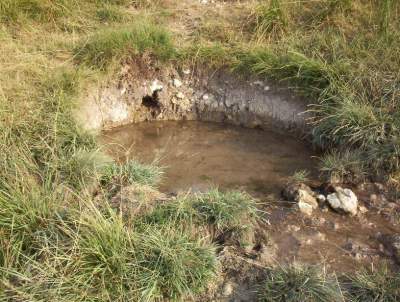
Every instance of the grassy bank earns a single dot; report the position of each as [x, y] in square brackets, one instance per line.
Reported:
[62, 239]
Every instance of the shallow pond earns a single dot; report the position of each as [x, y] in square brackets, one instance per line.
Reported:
[198, 155]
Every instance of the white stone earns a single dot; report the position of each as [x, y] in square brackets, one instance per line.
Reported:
[293, 228]
[343, 200]
[321, 198]
[227, 289]
[305, 208]
[267, 88]
[186, 71]
[180, 95]
[306, 197]
[177, 83]
[156, 86]
[258, 83]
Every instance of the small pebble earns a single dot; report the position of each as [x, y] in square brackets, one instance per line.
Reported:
[228, 289]
[177, 83]
[363, 209]
[321, 198]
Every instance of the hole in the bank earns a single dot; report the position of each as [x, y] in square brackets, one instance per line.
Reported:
[151, 101]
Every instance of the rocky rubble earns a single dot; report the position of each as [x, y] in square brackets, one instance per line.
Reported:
[341, 200]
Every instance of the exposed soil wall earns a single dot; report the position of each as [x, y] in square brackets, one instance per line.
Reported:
[142, 92]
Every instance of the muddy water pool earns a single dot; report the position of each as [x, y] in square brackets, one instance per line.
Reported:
[198, 156]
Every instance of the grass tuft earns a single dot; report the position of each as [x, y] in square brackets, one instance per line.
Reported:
[109, 14]
[116, 44]
[379, 285]
[270, 18]
[172, 264]
[39, 10]
[222, 212]
[131, 172]
[299, 283]
[150, 265]
[300, 177]
[346, 166]
[225, 210]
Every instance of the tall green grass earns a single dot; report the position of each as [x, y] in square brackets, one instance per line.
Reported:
[379, 284]
[115, 44]
[295, 283]
[269, 18]
[344, 166]
[153, 264]
[39, 10]
[217, 213]
[129, 173]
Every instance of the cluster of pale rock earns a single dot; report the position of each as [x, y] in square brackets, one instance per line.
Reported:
[342, 200]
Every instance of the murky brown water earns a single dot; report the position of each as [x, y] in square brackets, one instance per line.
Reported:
[197, 155]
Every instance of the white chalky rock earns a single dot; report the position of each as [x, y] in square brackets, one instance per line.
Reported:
[177, 83]
[343, 200]
[305, 208]
[321, 198]
[156, 86]
[180, 95]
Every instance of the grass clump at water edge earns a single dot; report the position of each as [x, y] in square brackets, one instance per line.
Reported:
[379, 284]
[221, 213]
[296, 283]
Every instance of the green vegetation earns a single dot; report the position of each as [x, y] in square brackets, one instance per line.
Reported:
[300, 177]
[149, 265]
[296, 283]
[380, 285]
[131, 172]
[231, 211]
[119, 43]
[269, 18]
[59, 238]
[344, 166]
